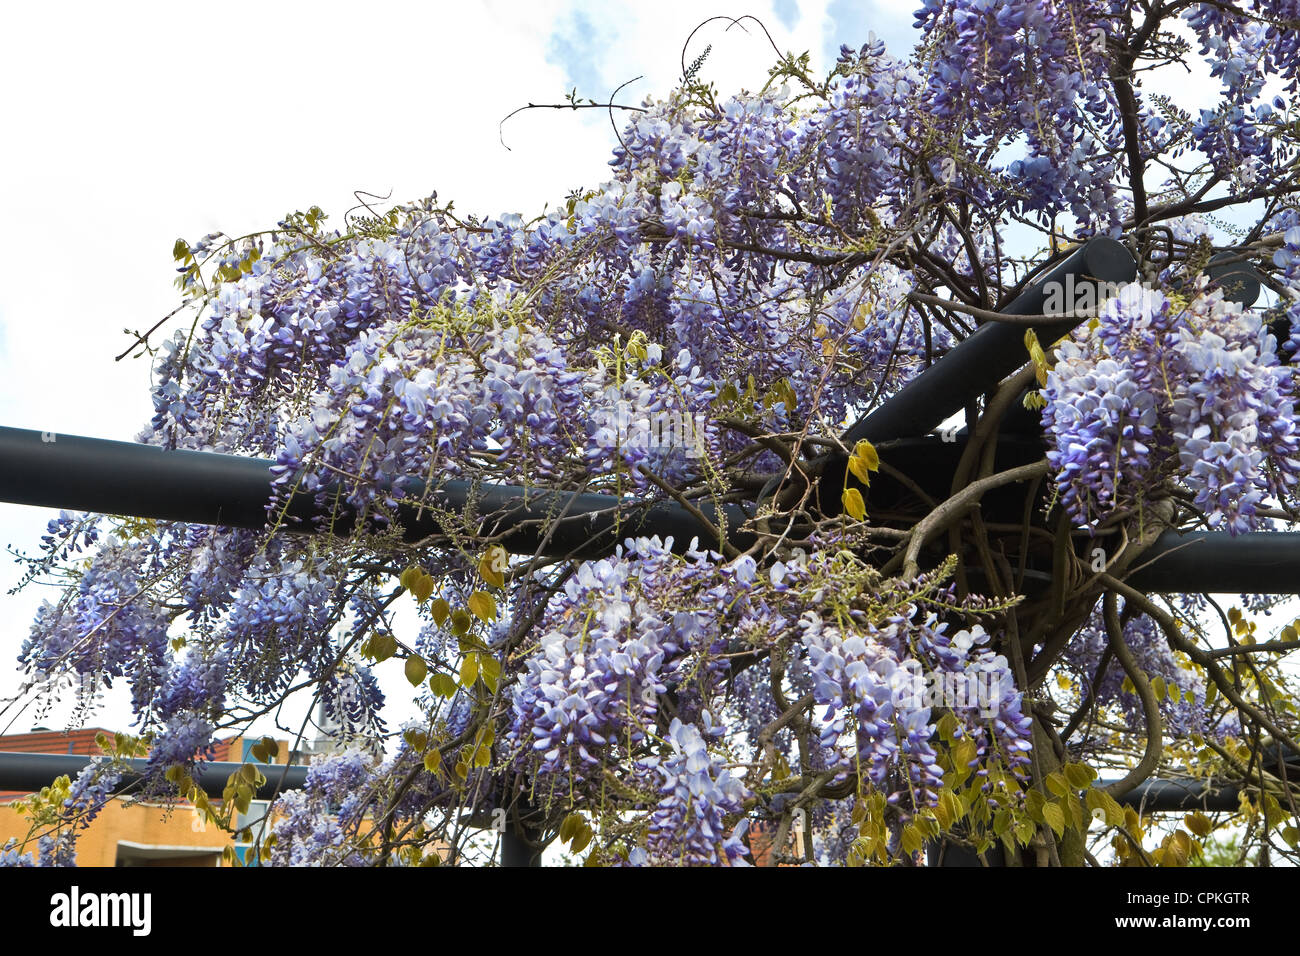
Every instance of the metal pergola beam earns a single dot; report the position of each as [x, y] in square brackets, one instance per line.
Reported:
[122, 478]
[90, 474]
[994, 350]
[28, 773]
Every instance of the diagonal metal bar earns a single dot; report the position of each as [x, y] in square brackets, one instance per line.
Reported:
[995, 350]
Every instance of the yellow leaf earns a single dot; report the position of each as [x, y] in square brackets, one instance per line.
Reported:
[853, 504]
[912, 840]
[441, 611]
[866, 452]
[1054, 817]
[442, 685]
[469, 670]
[859, 470]
[1036, 353]
[492, 566]
[416, 670]
[422, 587]
[483, 605]
[489, 670]
[1079, 775]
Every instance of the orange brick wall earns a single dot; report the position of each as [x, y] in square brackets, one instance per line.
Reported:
[148, 824]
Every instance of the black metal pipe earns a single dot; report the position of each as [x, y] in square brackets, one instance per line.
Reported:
[110, 477]
[1178, 796]
[516, 850]
[1258, 562]
[90, 474]
[995, 350]
[28, 773]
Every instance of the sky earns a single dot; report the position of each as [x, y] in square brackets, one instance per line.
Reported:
[127, 126]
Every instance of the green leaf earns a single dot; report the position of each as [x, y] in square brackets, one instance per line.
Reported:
[1199, 824]
[853, 504]
[1034, 801]
[1110, 810]
[416, 669]
[181, 250]
[1078, 815]
[581, 838]
[433, 761]
[570, 825]
[1001, 822]
[381, 646]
